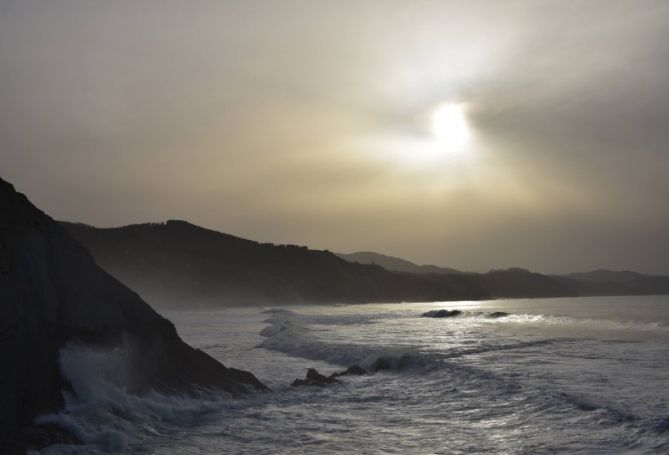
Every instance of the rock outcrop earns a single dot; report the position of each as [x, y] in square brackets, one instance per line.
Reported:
[442, 314]
[353, 370]
[19, 442]
[456, 313]
[52, 293]
[314, 378]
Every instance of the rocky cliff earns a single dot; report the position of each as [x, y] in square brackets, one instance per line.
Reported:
[53, 294]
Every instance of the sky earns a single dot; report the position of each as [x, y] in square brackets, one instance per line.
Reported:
[310, 122]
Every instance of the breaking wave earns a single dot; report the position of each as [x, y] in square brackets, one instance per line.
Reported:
[106, 418]
[466, 384]
[291, 333]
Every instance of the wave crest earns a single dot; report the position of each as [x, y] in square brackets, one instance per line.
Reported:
[100, 412]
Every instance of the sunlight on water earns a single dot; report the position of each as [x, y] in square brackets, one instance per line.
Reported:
[552, 376]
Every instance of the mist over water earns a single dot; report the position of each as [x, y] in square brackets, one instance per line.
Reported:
[584, 375]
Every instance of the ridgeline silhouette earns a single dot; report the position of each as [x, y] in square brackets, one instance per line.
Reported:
[179, 265]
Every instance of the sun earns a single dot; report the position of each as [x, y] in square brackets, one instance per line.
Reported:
[449, 126]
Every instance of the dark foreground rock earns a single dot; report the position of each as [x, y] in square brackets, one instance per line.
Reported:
[52, 293]
[34, 438]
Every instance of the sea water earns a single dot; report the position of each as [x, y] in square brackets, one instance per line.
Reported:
[576, 375]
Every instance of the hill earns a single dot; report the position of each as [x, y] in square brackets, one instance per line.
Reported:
[393, 263]
[607, 276]
[618, 282]
[180, 265]
[177, 263]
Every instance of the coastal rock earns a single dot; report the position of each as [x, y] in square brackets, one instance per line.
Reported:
[53, 294]
[442, 314]
[382, 363]
[456, 313]
[36, 437]
[353, 370]
[314, 378]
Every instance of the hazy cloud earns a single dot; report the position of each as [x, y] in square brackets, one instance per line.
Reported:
[306, 122]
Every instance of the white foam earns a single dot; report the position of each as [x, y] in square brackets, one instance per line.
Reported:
[104, 416]
[289, 333]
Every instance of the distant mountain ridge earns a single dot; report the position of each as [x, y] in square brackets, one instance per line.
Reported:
[178, 264]
[392, 263]
[608, 276]
[603, 276]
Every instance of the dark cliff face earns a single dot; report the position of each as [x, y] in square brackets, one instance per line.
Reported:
[52, 293]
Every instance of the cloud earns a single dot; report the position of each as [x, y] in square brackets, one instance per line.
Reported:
[301, 122]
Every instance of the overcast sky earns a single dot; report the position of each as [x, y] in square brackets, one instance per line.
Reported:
[308, 122]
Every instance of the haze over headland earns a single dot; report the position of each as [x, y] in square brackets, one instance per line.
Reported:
[308, 122]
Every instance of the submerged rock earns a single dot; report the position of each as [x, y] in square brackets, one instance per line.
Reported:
[353, 370]
[456, 313]
[442, 314]
[382, 363]
[314, 378]
[52, 294]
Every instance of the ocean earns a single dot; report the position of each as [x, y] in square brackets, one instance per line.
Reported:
[564, 375]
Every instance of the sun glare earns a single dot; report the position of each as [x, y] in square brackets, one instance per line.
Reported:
[449, 126]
